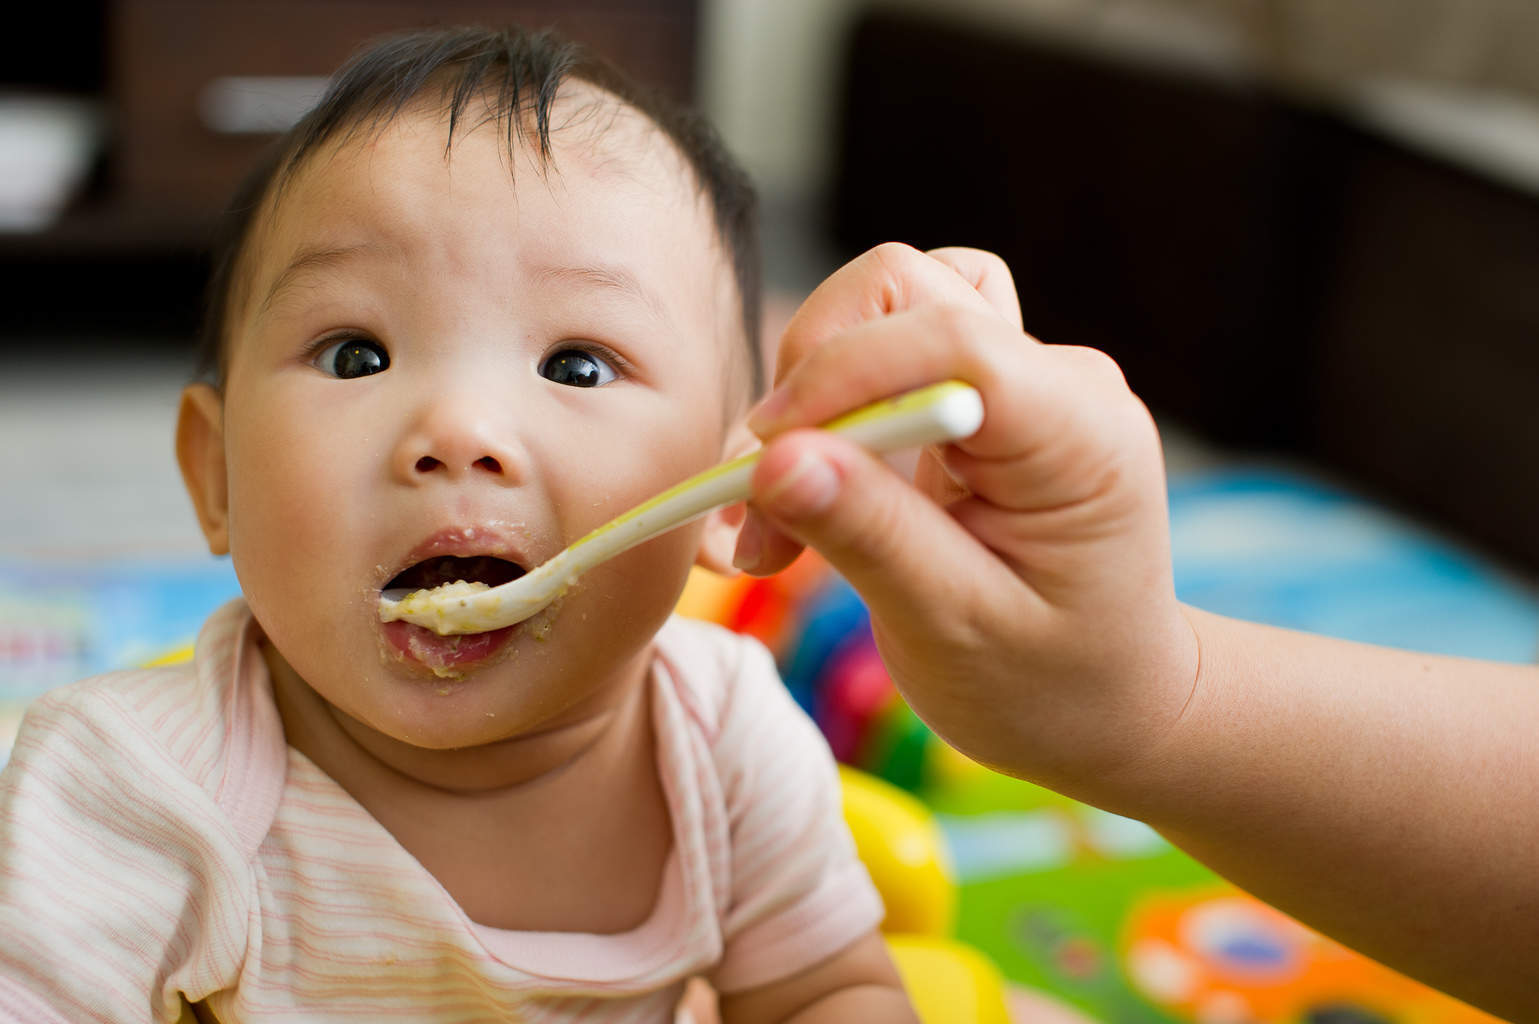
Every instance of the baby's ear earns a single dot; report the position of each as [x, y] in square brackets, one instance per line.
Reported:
[200, 453]
[718, 541]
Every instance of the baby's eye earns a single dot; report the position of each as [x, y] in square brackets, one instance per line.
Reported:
[577, 369]
[353, 357]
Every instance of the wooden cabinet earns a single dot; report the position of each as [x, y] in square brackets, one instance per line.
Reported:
[128, 257]
[1271, 274]
[171, 58]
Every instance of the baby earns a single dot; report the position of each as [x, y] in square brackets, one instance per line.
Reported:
[482, 299]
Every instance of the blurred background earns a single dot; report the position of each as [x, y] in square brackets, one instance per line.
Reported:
[1307, 229]
[1302, 226]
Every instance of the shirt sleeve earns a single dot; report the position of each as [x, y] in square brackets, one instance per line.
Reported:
[799, 893]
[120, 890]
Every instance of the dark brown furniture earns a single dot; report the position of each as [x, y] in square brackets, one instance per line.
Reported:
[1271, 274]
[129, 255]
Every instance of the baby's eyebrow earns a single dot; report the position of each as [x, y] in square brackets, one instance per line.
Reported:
[612, 278]
[307, 260]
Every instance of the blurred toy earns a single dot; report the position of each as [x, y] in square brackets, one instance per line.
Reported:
[1222, 956]
[820, 633]
[902, 847]
[950, 981]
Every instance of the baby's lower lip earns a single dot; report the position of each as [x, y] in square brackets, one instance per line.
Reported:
[445, 655]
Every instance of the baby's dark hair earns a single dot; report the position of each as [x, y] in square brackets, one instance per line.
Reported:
[521, 73]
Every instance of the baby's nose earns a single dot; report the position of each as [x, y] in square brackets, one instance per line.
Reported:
[452, 439]
[430, 463]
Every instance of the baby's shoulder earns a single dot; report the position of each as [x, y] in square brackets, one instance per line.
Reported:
[159, 750]
[709, 647]
[112, 764]
[713, 669]
[729, 686]
[763, 752]
[202, 720]
[140, 715]
[131, 694]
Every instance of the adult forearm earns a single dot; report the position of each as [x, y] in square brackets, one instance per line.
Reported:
[1387, 798]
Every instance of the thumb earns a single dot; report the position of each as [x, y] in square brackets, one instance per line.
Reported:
[908, 558]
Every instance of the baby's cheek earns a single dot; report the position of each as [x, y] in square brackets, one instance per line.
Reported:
[656, 575]
[290, 548]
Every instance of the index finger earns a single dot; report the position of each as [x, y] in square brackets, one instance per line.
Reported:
[881, 358]
[892, 278]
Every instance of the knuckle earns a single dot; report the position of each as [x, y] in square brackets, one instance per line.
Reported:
[986, 263]
[898, 266]
[992, 262]
[1099, 367]
[894, 254]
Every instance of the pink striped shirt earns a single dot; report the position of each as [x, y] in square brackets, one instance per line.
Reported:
[160, 844]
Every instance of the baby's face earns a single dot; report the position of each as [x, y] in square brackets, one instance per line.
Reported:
[443, 369]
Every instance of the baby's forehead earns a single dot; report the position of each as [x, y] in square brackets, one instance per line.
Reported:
[603, 155]
[591, 136]
[601, 133]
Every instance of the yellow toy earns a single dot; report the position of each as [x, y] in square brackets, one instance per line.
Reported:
[949, 982]
[902, 847]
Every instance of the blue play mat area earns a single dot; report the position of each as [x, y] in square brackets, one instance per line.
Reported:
[1278, 548]
[1095, 908]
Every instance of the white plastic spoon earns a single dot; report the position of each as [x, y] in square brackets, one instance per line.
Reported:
[947, 411]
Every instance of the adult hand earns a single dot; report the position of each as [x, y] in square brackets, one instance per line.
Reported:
[1019, 584]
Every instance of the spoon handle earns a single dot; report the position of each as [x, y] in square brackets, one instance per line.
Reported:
[947, 411]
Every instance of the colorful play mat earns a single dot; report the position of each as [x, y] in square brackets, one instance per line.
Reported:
[1093, 907]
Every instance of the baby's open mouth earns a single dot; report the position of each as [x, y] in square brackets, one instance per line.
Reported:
[449, 656]
[434, 572]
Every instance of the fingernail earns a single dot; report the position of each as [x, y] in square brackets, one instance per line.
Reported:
[750, 544]
[806, 489]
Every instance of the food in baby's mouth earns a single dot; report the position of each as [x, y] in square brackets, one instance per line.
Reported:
[448, 656]
[439, 582]
[430, 599]
[423, 600]
[459, 588]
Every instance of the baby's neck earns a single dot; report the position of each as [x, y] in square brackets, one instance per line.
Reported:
[566, 829]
